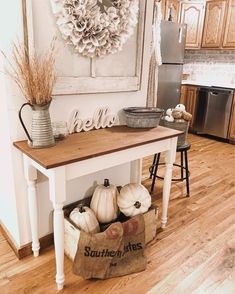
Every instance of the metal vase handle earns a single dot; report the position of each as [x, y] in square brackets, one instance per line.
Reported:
[21, 120]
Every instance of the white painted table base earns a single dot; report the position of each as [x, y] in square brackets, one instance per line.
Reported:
[57, 186]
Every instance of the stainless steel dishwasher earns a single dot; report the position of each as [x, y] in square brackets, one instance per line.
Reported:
[213, 111]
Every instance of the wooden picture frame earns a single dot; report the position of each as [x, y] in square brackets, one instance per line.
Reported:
[72, 85]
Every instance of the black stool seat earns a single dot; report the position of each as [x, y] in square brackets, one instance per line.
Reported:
[183, 167]
[184, 147]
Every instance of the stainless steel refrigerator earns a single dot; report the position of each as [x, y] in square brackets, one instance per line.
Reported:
[173, 36]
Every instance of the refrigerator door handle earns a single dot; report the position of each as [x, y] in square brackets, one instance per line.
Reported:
[180, 35]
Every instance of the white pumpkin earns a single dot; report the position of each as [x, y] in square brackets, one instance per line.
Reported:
[104, 202]
[85, 219]
[169, 112]
[169, 118]
[180, 107]
[134, 199]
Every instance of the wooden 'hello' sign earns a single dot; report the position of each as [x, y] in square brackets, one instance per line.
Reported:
[102, 118]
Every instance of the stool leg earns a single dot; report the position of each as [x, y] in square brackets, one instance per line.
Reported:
[182, 165]
[155, 172]
[153, 164]
[187, 173]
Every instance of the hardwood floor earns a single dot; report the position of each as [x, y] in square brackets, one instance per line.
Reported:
[194, 254]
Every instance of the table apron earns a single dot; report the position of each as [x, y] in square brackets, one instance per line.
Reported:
[95, 164]
[99, 163]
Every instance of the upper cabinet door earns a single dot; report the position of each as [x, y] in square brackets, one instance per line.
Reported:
[172, 9]
[191, 13]
[229, 32]
[213, 25]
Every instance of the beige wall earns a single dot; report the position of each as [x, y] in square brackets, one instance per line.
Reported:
[60, 110]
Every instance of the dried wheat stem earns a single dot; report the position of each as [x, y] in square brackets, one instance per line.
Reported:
[34, 74]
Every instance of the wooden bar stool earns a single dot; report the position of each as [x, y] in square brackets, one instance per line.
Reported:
[183, 167]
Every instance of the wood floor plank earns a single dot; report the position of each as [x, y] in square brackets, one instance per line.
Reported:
[189, 271]
[195, 254]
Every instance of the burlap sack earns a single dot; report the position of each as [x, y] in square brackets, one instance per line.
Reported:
[115, 252]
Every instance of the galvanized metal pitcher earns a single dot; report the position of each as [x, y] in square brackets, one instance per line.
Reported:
[41, 129]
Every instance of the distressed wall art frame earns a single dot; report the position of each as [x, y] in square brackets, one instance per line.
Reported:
[72, 85]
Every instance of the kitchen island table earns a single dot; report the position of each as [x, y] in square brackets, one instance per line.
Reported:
[85, 153]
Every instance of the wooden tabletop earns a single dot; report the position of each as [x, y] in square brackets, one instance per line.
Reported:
[84, 145]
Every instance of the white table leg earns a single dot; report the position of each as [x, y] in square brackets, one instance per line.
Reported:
[31, 177]
[169, 160]
[59, 244]
[136, 171]
[58, 196]
[33, 214]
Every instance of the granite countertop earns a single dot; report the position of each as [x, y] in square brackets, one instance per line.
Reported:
[207, 83]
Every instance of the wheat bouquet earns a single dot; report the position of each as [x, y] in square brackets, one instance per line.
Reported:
[33, 73]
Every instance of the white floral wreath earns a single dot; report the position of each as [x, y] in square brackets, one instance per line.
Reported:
[96, 27]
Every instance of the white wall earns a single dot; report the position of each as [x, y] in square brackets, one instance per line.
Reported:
[18, 221]
[8, 212]
[10, 29]
[214, 66]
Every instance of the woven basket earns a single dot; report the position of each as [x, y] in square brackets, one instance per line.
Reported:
[180, 125]
[72, 232]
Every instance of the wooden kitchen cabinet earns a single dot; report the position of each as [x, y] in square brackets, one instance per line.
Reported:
[212, 27]
[213, 24]
[188, 97]
[173, 6]
[210, 23]
[231, 132]
[192, 14]
[229, 31]
[183, 94]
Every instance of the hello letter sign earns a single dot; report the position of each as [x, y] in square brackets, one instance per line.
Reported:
[102, 118]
